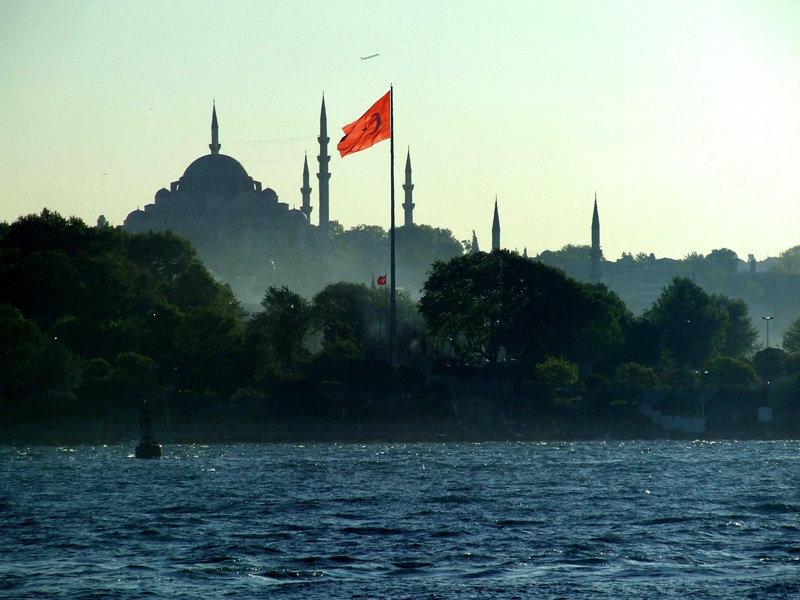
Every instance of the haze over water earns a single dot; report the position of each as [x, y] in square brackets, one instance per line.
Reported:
[497, 520]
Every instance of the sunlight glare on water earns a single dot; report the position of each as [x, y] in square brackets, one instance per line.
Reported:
[495, 520]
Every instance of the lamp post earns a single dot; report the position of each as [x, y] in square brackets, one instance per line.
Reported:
[767, 319]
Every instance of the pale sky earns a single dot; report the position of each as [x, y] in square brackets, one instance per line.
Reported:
[683, 117]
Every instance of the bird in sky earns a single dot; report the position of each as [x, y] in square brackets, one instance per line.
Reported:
[370, 56]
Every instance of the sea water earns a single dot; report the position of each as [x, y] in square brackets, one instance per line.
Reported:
[579, 520]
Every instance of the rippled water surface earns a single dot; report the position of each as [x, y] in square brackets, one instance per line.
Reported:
[557, 520]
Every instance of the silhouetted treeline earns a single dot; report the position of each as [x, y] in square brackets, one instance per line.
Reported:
[95, 321]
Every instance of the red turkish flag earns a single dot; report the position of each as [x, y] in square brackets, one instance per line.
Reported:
[372, 127]
[382, 280]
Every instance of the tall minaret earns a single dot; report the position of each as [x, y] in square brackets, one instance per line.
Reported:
[323, 176]
[597, 253]
[306, 192]
[496, 228]
[214, 146]
[408, 205]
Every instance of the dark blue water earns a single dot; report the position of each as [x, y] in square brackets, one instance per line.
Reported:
[559, 520]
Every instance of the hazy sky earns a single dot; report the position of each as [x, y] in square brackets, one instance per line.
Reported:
[684, 117]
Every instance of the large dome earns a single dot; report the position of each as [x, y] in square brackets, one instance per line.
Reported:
[217, 172]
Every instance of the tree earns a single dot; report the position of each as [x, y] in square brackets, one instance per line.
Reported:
[419, 246]
[633, 378]
[344, 311]
[732, 372]
[642, 342]
[690, 323]
[93, 294]
[788, 261]
[164, 254]
[567, 255]
[354, 322]
[481, 303]
[791, 337]
[557, 372]
[366, 240]
[32, 363]
[740, 334]
[283, 325]
[723, 259]
[772, 363]
[695, 263]
[637, 375]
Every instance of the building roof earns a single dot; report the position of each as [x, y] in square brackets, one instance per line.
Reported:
[217, 172]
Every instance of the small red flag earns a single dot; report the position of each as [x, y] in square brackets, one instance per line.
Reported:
[382, 280]
[372, 127]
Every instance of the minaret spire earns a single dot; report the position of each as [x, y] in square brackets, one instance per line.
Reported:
[323, 176]
[596, 253]
[214, 146]
[408, 187]
[496, 228]
[306, 192]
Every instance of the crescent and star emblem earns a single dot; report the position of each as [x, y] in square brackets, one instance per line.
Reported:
[377, 118]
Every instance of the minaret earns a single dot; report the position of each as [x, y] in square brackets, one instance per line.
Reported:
[408, 205]
[597, 253]
[474, 247]
[496, 228]
[214, 146]
[323, 176]
[306, 192]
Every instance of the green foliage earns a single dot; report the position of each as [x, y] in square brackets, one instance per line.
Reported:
[724, 260]
[772, 363]
[352, 314]
[642, 342]
[607, 320]
[133, 378]
[695, 263]
[481, 303]
[732, 372]
[637, 375]
[740, 334]
[566, 255]
[366, 240]
[283, 326]
[102, 293]
[690, 323]
[791, 337]
[788, 261]
[471, 246]
[419, 246]
[717, 267]
[32, 362]
[343, 312]
[209, 345]
[557, 372]
[164, 254]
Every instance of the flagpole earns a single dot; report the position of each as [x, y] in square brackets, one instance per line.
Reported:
[393, 306]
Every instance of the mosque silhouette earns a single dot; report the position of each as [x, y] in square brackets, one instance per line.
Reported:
[245, 235]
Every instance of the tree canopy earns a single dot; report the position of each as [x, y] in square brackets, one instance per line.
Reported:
[481, 303]
[694, 326]
[104, 292]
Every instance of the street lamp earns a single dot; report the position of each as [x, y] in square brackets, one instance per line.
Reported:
[767, 319]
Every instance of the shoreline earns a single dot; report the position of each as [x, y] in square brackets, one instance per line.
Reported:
[49, 434]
